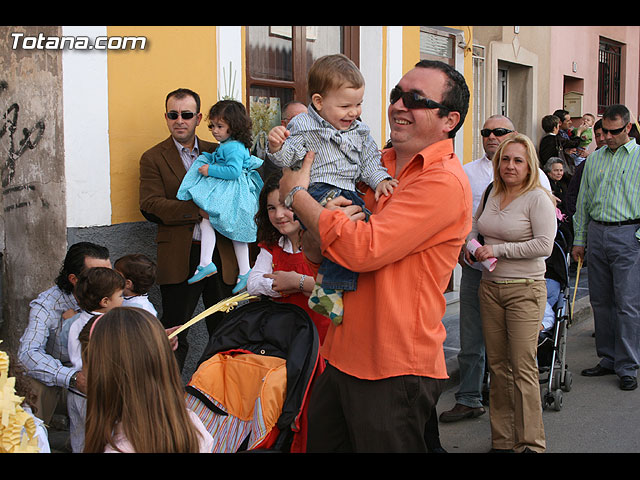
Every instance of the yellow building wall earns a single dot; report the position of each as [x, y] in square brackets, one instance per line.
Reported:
[138, 83]
[174, 57]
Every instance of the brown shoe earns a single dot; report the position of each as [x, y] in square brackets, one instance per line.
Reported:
[460, 412]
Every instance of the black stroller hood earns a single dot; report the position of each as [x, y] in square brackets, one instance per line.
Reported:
[275, 329]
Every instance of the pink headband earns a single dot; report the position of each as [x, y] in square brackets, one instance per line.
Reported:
[94, 325]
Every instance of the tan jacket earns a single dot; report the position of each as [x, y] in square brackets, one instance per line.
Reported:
[161, 172]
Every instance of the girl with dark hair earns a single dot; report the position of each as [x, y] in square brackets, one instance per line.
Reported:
[281, 271]
[139, 272]
[225, 184]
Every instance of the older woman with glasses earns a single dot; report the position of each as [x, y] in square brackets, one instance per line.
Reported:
[518, 225]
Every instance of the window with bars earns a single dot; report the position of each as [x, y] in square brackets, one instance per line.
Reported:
[609, 60]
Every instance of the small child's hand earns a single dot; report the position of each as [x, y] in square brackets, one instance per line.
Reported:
[204, 170]
[68, 314]
[277, 136]
[385, 188]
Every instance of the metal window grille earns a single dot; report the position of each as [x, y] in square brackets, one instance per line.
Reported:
[609, 59]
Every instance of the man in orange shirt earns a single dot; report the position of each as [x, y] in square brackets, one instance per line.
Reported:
[386, 363]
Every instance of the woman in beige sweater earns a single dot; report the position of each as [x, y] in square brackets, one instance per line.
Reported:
[518, 224]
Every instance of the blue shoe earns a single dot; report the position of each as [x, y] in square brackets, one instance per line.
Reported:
[242, 282]
[203, 272]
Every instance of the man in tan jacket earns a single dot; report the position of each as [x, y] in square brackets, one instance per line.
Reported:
[162, 169]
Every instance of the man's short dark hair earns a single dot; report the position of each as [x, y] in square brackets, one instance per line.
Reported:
[181, 93]
[74, 262]
[456, 96]
[560, 113]
[617, 110]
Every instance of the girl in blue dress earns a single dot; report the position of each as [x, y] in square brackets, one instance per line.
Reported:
[226, 185]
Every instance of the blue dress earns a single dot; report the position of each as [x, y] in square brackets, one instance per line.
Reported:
[229, 194]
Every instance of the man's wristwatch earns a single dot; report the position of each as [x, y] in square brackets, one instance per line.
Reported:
[288, 200]
[73, 381]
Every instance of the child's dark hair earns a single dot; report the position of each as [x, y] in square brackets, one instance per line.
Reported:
[549, 122]
[267, 233]
[95, 284]
[138, 268]
[236, 116]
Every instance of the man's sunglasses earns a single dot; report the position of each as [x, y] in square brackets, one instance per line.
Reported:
[613, 131]
[412, 100]
[173, 115]
[498, 132]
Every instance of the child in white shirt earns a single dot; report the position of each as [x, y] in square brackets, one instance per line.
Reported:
[98, 290]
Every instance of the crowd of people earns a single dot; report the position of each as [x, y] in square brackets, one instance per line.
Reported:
[365, 240]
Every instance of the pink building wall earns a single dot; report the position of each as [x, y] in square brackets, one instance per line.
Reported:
[576, 48]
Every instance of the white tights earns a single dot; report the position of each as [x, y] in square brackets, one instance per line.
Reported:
[208, 244]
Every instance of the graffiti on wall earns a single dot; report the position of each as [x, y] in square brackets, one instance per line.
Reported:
[15, 147]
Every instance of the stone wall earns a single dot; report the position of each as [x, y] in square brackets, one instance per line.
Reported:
[33, 222]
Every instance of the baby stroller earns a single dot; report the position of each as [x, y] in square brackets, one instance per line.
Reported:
[554, 376]
[253, 381]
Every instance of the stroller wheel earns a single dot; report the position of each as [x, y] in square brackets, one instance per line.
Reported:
[556, 400]
[544, 397]
[568, 380]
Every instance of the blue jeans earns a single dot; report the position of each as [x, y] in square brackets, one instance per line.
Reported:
[553, 295]
[335, 276]
[471, 358]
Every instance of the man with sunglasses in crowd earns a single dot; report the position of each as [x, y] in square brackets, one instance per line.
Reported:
[471, 359]
[162, 169]
[386, 363]
[607, 225]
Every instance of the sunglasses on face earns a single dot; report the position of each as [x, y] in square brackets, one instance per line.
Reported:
[412, 100]
[173, 115]
[498, 132]
[613, 131]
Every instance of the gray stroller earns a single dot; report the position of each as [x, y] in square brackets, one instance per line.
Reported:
[555, 378]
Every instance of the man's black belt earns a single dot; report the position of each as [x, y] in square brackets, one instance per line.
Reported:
[619, 224]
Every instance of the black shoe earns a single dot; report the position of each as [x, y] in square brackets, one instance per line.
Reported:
[628, 383]
[436, 450]
[528, 450]
[597, 371]
[501, 450]
[459, 412]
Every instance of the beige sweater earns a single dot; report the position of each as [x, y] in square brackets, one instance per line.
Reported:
[521, 234]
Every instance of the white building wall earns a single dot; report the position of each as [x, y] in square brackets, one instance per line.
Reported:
[230, 68]
[86, 131]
